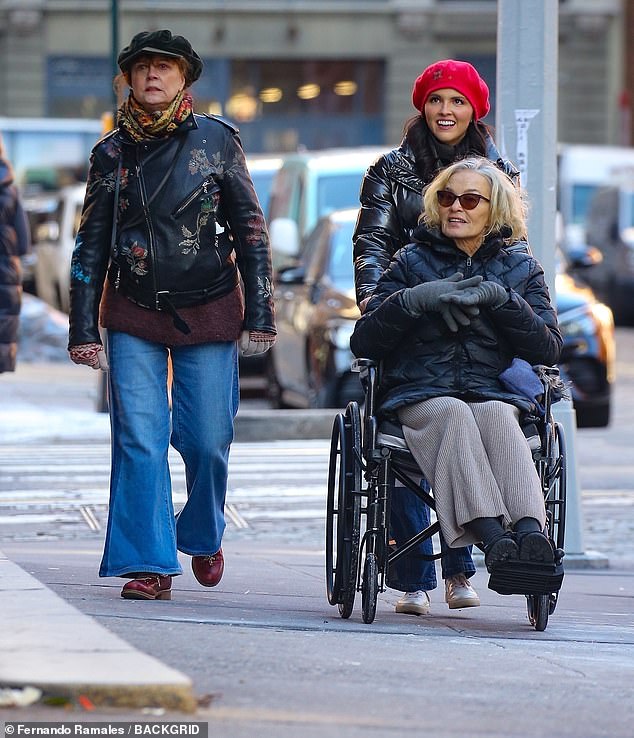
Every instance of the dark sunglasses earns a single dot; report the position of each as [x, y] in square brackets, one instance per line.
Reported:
[468, 201]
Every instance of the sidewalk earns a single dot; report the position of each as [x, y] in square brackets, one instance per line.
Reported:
[45, 642]
[268, 607]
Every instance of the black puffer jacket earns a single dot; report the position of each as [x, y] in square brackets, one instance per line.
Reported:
[422, 358]
[187, 214]
[14, 242]
[391, 203]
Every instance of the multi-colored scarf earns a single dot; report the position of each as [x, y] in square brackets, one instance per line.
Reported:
[141, 125]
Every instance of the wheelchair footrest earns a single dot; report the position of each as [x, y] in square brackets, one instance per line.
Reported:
[527, 578]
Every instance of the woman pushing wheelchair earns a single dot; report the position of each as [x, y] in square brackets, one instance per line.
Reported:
[449, 315]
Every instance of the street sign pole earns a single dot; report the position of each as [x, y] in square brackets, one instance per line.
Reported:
[526, 128]
[114, 49]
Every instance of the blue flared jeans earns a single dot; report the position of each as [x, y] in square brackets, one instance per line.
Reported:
[143, 533]
[408, 516]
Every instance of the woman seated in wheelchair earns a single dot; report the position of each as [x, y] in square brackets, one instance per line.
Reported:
[448, 316]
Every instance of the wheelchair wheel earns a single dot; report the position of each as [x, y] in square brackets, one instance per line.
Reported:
[343, 513]
[538, 610]
[369, 588]
[556, 497]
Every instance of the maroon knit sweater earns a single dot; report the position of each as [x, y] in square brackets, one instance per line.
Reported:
[219, 320]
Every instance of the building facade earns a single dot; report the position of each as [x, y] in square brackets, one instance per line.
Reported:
[298, 73]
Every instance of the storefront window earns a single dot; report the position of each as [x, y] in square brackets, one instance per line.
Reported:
[281, 104]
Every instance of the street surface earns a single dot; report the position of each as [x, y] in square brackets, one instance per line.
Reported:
[266, 652]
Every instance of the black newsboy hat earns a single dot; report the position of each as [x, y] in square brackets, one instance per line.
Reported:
[160, 42]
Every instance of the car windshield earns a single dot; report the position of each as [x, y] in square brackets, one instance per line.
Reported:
[627, 209]
[338, 192]
[581, 196]
[262, 182]
[341, 271]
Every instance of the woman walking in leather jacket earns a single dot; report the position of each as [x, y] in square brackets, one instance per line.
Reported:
[170, 226]
[451, 98]
[441, 369]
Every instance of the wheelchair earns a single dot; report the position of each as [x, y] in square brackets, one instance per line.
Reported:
[367, 457]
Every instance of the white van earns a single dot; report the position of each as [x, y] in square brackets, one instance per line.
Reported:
[54, 222]
[596, 198]
[311, 184]
[582, 170]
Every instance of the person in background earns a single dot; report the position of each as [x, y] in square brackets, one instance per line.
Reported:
[451, 99]
[15, 241]
[171, 226]
[441, 369]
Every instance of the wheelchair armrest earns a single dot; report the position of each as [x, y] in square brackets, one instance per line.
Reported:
[358, 365]
[555, 388]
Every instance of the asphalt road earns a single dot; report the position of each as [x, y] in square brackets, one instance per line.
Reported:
[269, 656]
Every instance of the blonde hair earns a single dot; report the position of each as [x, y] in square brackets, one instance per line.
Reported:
[508, 207]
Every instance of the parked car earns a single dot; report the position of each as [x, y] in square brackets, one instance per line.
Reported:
[263, 168]
[54, 219]
[309, 366]
[311, 184]
[589, 356]
[316, 310]
[609, 241]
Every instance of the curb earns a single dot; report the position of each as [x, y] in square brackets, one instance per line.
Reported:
[48, 644]
[284, 425]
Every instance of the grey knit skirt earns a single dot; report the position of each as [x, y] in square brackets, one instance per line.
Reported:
[477, 460]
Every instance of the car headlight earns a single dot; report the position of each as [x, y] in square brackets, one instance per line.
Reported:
[591, 328]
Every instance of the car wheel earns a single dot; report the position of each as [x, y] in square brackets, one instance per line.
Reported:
[593, 417]
[274, 392]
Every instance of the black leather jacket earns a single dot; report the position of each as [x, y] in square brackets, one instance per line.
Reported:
[391, 203]
[421, 358]
[188, 219]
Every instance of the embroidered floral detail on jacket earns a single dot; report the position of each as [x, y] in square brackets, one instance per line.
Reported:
[264, 286]
[77, 273]
[191, 242]
[200, 164]
[256, 226]
[136, 256]
[111, 148]
[109, 180]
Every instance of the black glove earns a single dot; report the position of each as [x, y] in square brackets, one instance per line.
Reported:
[453, 314]
[491, 294]
[427, 296]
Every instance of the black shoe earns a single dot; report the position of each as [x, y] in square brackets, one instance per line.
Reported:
[536, 547]
[500, 551]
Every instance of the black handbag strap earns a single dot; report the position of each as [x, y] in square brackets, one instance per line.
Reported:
[117, 184]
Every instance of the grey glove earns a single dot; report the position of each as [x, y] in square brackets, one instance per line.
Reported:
[454, 314]
[253, 343]
[424, 297]
[491, 294]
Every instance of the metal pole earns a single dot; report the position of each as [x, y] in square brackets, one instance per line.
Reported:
[114, 48]
[526, 123]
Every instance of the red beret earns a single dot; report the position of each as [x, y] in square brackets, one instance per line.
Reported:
[456, 75]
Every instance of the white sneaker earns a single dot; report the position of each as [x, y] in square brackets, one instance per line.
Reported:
[460, 593]
[414, 603]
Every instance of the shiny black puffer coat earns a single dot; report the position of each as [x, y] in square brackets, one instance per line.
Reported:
[421, 358]
[391, 203]
[188, 219]
[14, 242]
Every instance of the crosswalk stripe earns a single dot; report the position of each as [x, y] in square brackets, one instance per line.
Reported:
[63, 483]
